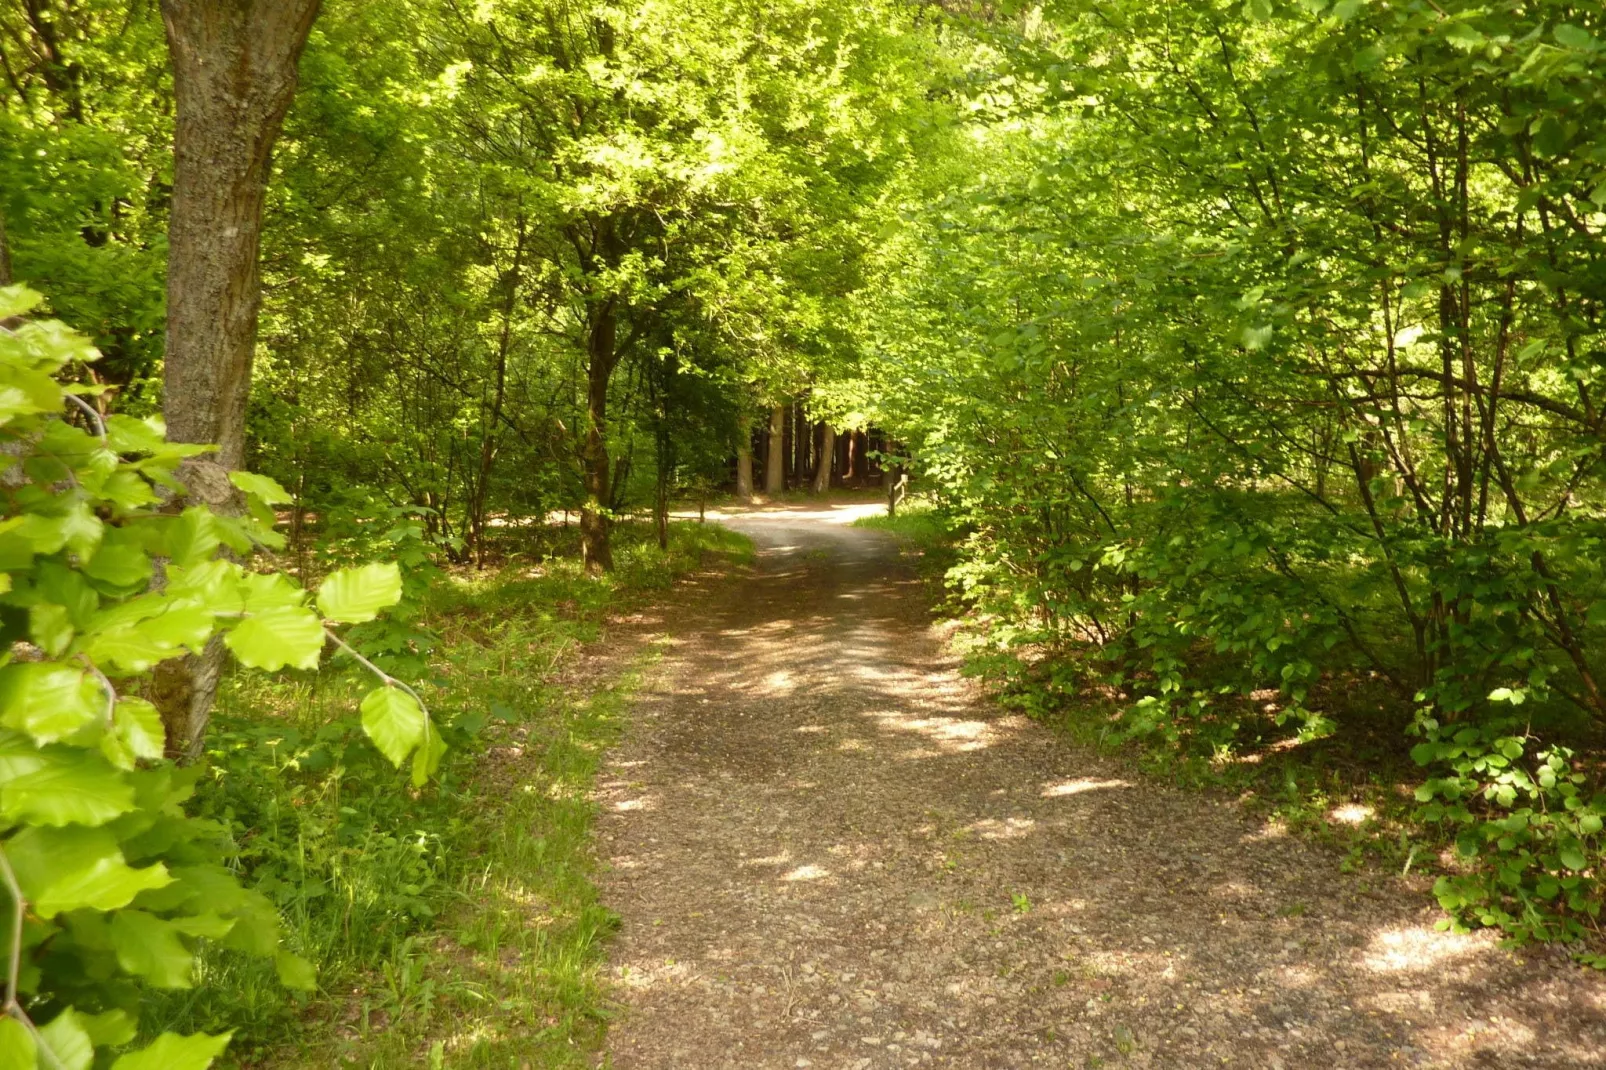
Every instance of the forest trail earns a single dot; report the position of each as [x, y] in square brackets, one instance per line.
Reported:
[829, 851]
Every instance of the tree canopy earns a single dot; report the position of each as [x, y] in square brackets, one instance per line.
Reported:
[1252, 353]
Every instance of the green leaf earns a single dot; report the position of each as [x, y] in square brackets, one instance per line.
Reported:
[1570, 36]
[354, 595]
[49, 627]
[394, 721]
[18, 299]
[210, 925]
[108, 885]
[139, 725]
[62, 869]
[120, 565]
[17, 1048]
[149, 947]
[173, 1052]
[1573, 858]
[274, 638]
[109, 1029]
[295, 972]
[19, 755]
[261, 486]
[427, 758]
[83, 789]
[262, 591]
[47, 701]
[67, 1040]
[192, 537]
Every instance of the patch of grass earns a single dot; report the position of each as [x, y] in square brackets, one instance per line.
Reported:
[456, 926]
[926, 532]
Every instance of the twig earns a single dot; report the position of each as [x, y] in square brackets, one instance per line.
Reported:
[390, 681]
[13, 1008]
[92, 413]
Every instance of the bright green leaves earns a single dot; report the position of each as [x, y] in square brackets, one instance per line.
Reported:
[17, 1048]
[121, 884]
[395, 722]
[17, 299]
[71, 787]
[149, 947]
[137, 730]
[68, 1041]
[355, 595]
[49, 701]
[173, 1052]
[276, 637]
[268, 490]
[62, 869]
[295, 972]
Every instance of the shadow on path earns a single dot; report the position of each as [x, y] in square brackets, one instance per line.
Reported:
[828, 851]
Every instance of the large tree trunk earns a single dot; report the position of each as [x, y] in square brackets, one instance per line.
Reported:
[744, 457]
[234, 75]
[822, 467]
[595, 549]
[775, 456]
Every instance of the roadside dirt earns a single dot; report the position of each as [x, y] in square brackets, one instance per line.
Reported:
[828, 850]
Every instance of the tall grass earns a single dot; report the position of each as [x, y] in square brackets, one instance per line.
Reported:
[458, 925]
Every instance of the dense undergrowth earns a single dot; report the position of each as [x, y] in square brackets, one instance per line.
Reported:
[455, 925]
[1355, 785]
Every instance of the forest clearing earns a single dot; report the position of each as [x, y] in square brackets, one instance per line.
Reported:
[700, 533]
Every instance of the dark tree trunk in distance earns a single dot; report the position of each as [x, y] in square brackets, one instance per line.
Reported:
[775, 455]
[822, 467]
[595, 550]
[744, 457]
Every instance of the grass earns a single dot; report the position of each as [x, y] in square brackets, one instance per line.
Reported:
[925, 532]
[457, 926]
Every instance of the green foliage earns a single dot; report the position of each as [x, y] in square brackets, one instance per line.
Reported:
[110, 884]
[492, 862]
[1257, 351]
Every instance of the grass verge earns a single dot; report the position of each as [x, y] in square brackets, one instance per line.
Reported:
[457, 926]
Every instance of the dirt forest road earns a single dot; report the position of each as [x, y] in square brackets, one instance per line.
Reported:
[829, 851]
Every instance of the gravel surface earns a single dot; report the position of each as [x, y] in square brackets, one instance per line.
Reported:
[828, 850]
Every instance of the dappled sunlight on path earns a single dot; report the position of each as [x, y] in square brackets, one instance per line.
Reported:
[828, 851]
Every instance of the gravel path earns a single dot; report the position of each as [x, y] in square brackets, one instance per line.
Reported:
[828, 851]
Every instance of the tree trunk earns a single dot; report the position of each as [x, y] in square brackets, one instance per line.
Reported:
[744, 457]
[182, 689]
[822, 468]
[775, 456]
[595, 549]
[234, 74]
[802, 433]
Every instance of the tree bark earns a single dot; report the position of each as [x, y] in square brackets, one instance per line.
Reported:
[234, 75]
[822, 468]
[775, 456]
[744, 457]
